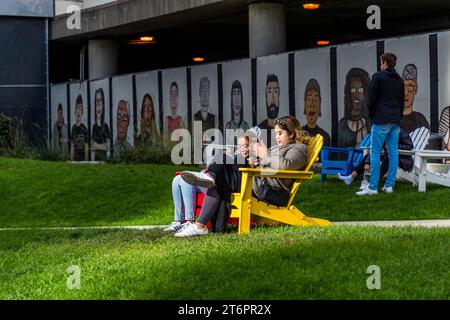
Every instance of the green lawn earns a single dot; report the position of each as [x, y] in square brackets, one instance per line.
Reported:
[269, 263]
[46, 194]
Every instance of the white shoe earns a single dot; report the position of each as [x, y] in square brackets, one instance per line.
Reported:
[387, 189]
[174, 226]
[364, 184]
[191, 230]
[347, 179]
[367, 192]
[200, 179]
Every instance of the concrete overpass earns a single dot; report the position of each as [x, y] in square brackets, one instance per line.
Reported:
[221, 30]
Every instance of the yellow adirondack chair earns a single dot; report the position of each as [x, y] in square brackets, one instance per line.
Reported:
[244, 206]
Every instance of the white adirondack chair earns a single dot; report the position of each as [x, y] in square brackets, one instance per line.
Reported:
[419, 138]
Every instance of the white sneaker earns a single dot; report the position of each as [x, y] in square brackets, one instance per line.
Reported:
[347, 179]
[174, 226]
[200, 179]
[364, 184]
[191, 230]
[367, 192]
[387, 189]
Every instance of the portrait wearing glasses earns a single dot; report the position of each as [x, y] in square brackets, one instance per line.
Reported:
[123, 122]
[411, 119]
[355, 123]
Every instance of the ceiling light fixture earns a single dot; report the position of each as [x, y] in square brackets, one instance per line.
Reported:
[198, 59]
[311, 5]
[323, 42]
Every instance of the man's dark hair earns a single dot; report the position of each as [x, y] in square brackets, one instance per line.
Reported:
[237, 85]
[173, 84]
[102, 94]
[365, 81]
[389, 58]
[79, 100]
[270, 78]
[60, 107]
[312, 85]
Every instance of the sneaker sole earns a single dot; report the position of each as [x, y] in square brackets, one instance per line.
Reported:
[194, 180]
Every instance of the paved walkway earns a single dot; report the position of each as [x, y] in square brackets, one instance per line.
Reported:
[402, 223]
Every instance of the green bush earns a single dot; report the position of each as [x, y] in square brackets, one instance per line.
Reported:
[146, 151]
[46, 152]
[5, 132]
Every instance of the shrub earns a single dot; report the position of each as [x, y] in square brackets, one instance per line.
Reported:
[146, 151]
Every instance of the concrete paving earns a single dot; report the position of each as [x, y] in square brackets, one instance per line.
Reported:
[401, 223]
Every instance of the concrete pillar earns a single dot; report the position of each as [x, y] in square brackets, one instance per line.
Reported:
[103, 58]
[267, 27]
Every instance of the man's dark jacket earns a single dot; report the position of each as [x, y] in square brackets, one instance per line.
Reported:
[386, 97]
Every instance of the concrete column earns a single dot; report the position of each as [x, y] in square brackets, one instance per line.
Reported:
[267, 27]
[103, 58]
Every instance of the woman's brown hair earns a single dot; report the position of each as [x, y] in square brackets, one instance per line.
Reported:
[292, 126]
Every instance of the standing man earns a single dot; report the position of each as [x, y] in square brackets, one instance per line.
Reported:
[386, 103]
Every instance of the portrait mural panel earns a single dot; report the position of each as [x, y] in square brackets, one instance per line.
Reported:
[237, 94]
[174, 88]
[123, 117]
[205, 97]
[356, 63]
[312, 92]
[444, 88]
[147, 106]
[101, 133]
[59, 125]
[79, 128]
[413, 65]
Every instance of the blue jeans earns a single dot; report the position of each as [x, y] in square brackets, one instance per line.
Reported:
[184, 199]
[384, 132]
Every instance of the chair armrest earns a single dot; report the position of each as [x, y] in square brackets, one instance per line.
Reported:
[407, 152]
[271, 173]
[337, 149]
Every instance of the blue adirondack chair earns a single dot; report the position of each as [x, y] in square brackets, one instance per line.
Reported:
[342, 160]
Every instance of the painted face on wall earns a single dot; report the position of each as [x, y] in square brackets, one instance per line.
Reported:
[173, 100]
[357, 96]
[236, 99]
[272, 99]
[204, 95]
[410, 93]
[123, 120]
[78, 112]
[60, 118]
[312, 107]
[98, 106]
[147, 114]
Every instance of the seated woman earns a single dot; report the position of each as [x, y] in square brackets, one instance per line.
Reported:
[405, 162]
[290, 153]
[185, 194]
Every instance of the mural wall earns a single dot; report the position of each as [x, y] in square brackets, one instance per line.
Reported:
[262, 97]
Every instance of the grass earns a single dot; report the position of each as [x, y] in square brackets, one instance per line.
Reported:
[47, 194]
[269, 263]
